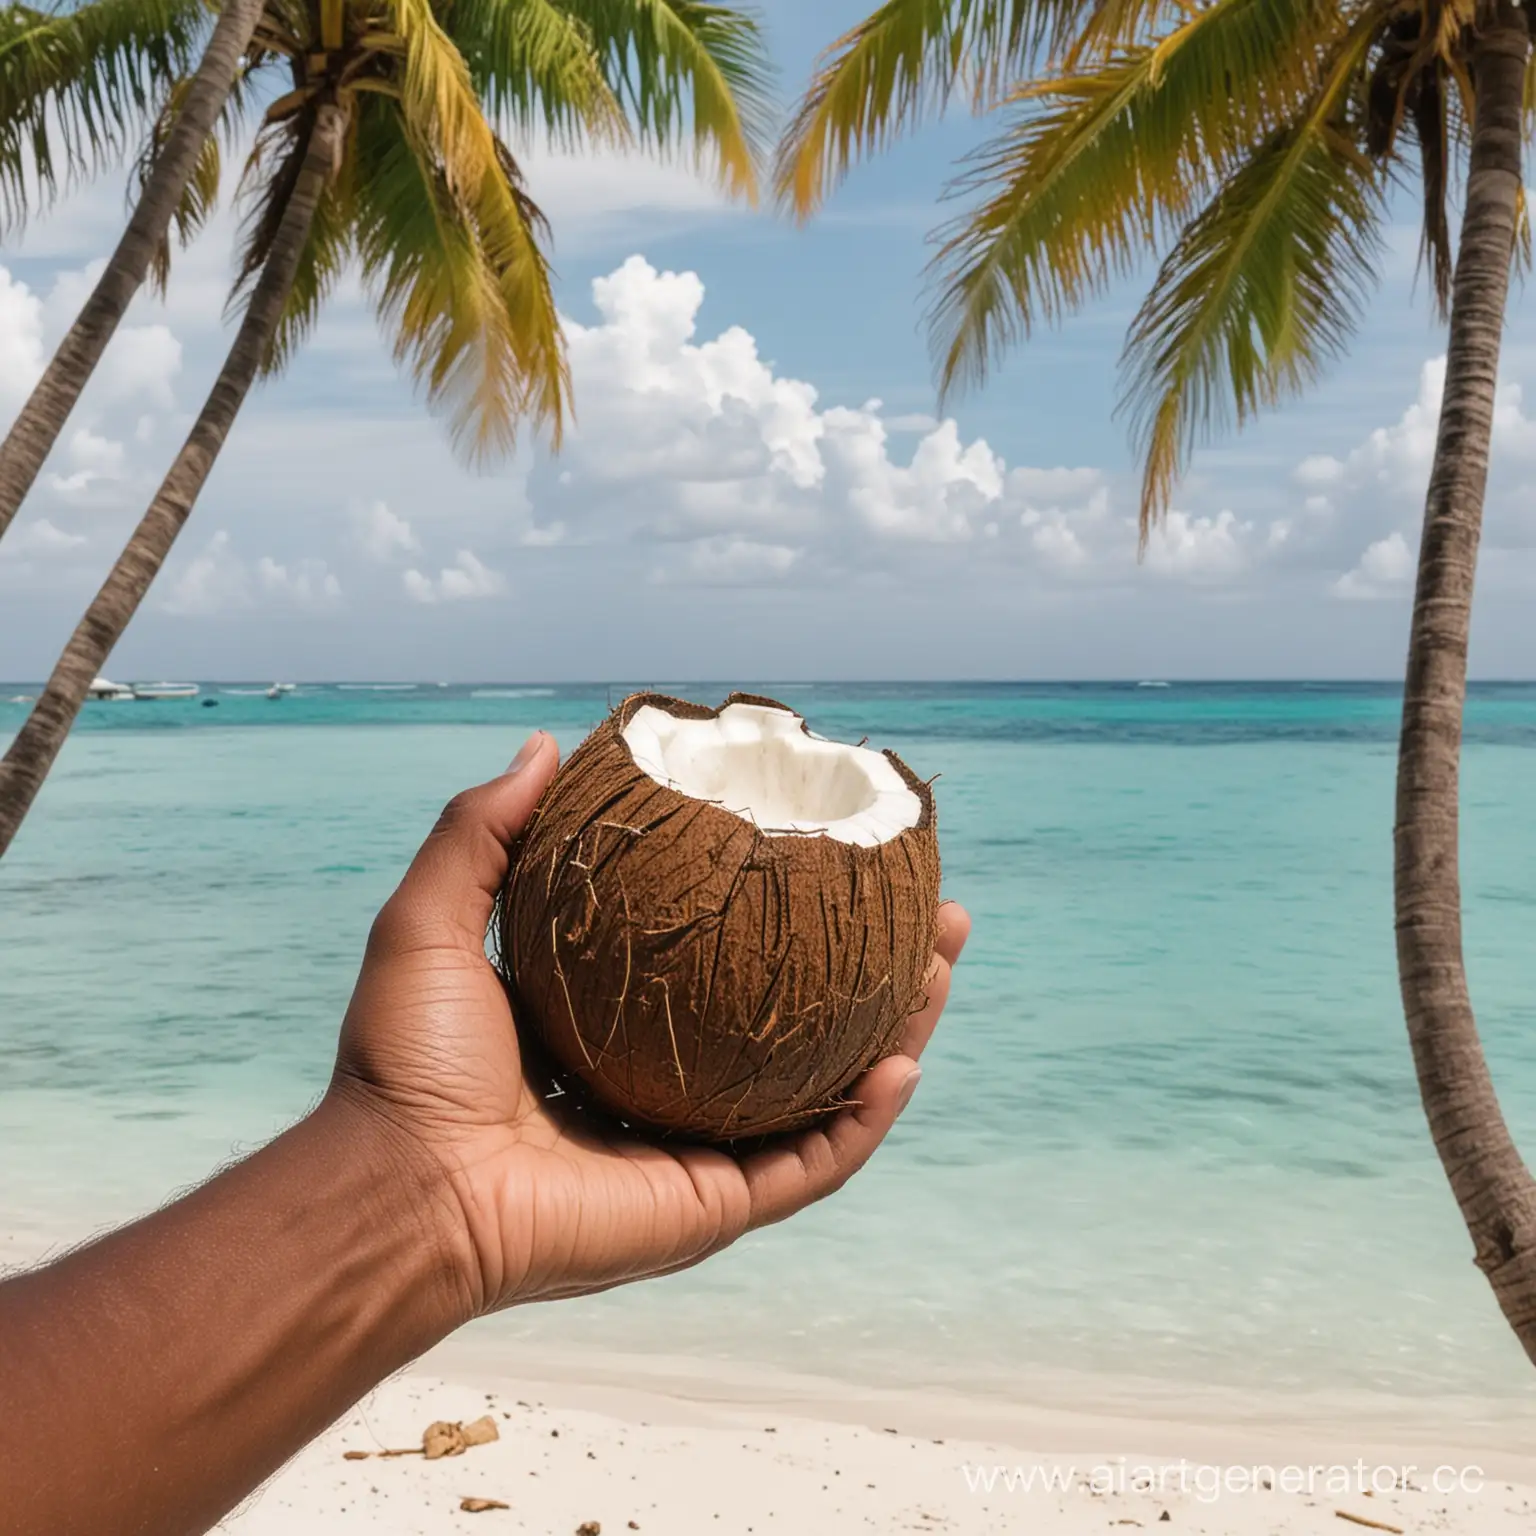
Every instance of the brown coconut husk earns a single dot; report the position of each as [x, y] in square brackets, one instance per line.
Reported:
[696, 975]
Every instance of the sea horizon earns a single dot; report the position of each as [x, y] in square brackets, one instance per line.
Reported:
[1128, 680]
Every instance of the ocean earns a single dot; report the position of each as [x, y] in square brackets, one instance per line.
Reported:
[1168, 1133]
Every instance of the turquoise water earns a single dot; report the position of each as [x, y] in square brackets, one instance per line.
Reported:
[1168, 1131]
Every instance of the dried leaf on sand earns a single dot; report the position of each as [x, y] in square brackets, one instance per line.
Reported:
[450, 1438]
[443, 1437]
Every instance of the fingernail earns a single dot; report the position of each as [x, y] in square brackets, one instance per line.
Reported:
[527, 752]
[908, 1088]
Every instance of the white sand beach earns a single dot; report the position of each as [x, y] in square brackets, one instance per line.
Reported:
[691, 1455]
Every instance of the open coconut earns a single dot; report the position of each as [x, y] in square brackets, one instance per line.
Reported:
[716, 920]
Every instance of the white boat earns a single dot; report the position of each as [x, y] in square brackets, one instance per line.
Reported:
[105, 688]
[277, 690]
[166, 690]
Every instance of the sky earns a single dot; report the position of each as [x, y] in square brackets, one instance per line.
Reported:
[756, 485]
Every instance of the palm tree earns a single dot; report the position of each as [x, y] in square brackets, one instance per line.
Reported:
[85, 75]
[1247, 145]
[383, 151]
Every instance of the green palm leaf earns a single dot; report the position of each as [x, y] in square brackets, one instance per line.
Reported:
[681, 65]
[535, 65]
[1103, 165]
[901, 65]
[1262, 288]
[201, 196]
[79, 83]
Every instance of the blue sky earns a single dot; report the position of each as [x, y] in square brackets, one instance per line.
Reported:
[733, 501]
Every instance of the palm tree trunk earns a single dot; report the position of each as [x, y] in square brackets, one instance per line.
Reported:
[42, 418]
[1491, 1183]
[31, 754]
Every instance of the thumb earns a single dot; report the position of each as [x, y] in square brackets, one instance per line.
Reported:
[454, 879]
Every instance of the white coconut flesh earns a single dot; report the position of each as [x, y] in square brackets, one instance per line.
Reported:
[762, 765]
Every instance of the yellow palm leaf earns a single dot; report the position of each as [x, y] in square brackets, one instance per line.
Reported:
[449, 136]
[1263, 286]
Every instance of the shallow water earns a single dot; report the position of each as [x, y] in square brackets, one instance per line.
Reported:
[1168, 1131]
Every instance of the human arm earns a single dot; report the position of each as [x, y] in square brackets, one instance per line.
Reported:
[149, 1380]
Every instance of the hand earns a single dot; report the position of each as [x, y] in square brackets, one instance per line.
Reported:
[540, 1208]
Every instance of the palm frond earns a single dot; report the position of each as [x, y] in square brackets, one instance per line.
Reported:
[447, 132]
[1262, 288]
[535, 65]
[899, 66]
[1429, 109]
[269, 179]
[200, 197]
[681, 66]
[78, 84]
[1112, 25]
[478, 331]
[1101, 166]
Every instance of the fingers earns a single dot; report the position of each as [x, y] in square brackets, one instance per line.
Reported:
[453, 880]
[954, 930]
[919, 1028]
[786, 1178]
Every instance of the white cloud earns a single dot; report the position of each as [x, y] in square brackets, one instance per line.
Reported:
[308, 583]
[138, 368]
[467, 578]
[537, 536]
[213, 581]
[216, 581]
[934, 499]
[92, 457]
[1199, 548]
[39, 537]
[70, 288]
[1053, 487]
[1398, 457]
[703, 443]
[383, 534]
[1318, 469]
[1052, 537]
[1384, 570]
[21, 341]
[418, 588]
[727, 561]
[1355, 528]
[129, 389]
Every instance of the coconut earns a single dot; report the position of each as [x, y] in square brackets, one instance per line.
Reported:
[717, 920]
